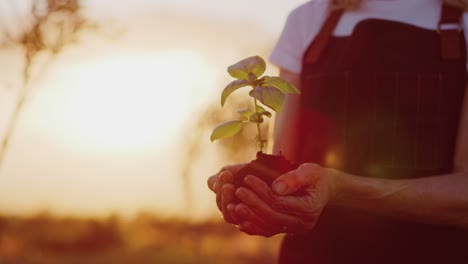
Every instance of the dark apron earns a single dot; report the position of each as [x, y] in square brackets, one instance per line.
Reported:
[380, 103]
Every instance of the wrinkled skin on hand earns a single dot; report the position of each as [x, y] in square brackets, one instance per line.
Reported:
[222, 184]
[292, 204]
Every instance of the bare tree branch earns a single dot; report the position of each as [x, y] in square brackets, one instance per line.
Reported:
[54, 24]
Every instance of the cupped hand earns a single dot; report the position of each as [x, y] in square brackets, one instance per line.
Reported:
[292, 204]
[222, 185]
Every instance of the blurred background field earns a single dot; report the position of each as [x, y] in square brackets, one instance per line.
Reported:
[144, 239]
[106, 108]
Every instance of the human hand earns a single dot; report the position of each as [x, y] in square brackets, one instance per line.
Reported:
[292, 205]
[222, 184]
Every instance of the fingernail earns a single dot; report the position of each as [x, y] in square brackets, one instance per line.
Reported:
[214, 185]
[279, 187]
[248, 179]
[222, 176]
[240, 194]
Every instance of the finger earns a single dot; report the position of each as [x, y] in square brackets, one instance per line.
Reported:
[260, 187]
[234, 216]
[226, 199]
[263, 210]
[306, 208]
[212, 182]
[278, 203]
[295, 180]
[262, 227]
[290, 205]
[225, 177]
[296, 225]
[244, 213]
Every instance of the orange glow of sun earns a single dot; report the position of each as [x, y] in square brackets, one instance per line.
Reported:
[127, 101]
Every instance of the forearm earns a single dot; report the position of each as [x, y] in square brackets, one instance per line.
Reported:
[438, 199]
[285, 135]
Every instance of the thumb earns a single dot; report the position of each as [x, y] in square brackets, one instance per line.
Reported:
[295, 180]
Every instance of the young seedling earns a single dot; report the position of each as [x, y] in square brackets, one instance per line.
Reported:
[267, 91]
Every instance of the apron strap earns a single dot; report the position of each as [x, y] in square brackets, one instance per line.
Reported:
[317, 46]
[449, 29]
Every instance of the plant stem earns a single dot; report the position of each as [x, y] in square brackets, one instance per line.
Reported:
[259, 131]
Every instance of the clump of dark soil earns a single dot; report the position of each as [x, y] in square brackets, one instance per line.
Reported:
[266, 167]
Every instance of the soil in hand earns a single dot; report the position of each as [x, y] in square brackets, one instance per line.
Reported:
[266, 167]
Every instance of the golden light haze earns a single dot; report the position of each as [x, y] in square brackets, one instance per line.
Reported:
[103, 128]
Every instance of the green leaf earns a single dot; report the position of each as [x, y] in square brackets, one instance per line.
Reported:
[245, 113]
[226, 129]
[262, 110]
[259, 108]
[250, 68]
[231, 87]
[269, 96]
[280, 84]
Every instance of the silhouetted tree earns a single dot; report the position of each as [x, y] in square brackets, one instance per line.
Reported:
[48, 28]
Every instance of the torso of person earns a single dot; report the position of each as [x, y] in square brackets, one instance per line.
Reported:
[380, 102]
[304, 23]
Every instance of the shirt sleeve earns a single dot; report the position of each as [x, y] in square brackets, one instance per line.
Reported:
[287, 51]
[301, 26]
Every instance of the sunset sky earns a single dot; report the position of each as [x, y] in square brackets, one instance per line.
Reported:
[103, 128]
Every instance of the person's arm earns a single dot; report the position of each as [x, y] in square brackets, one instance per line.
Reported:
[439, 199]
[284, 132]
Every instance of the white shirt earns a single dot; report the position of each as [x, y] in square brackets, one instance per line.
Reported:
[304, 23]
